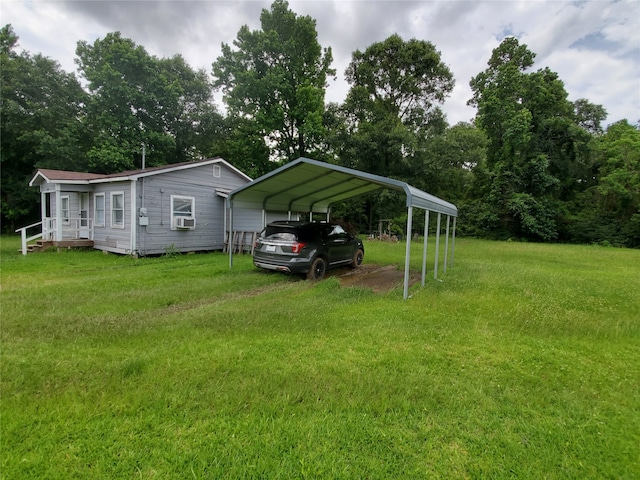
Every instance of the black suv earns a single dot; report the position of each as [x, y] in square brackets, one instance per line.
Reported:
[306, 247]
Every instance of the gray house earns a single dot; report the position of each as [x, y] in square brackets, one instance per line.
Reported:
[181, 207]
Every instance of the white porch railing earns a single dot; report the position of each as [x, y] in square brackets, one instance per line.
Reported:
[25, 239]
[72, 229]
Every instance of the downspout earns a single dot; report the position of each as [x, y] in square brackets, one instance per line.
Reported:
[230, 232]
[134, 218]
[224, 220]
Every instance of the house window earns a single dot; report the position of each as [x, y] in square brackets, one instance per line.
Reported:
[216, 171]
[117, 210]
[183, 211]
[99, 210]
[64, 209]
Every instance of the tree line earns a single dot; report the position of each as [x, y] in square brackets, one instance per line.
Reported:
[532, 165]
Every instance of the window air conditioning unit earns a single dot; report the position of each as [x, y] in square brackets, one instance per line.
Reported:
[184, 223]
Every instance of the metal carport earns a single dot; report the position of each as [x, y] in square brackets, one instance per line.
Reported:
[306, 185]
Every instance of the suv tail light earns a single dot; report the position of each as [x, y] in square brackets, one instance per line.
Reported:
[296, 247]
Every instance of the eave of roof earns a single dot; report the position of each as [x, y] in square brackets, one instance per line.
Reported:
[62, 176]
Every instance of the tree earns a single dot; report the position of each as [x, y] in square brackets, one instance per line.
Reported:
[618, 189]
[394, 101]
[41, 125]
[139, 99]
[242, 145]
[391, 112]
[589, 116]
[537, 151]
[276, 78]
[445, 169]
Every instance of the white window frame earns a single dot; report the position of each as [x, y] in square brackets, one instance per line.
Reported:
[64, 209]
[173, 213]
[97, 222]
[217, 171]
[114, 224]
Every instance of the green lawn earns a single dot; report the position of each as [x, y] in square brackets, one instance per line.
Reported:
[523, 362]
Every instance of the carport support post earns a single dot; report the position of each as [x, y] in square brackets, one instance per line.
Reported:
[453, 241]
[435, 263]
[408, 252]
[424, 248]
[446, 244]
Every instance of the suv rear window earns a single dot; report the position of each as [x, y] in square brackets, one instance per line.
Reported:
[288, 233]
[279, 234]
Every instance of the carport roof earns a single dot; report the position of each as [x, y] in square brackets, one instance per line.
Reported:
[306, 185]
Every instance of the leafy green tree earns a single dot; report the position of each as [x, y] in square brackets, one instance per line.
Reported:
[589, 116]
[445, 168]
[276, 78]
[618, 153]
[393, 104]
[537, 148]
[618, 189]
[241, 144]
[41, 109]
[139, 99]
[608, 211]
[391, 113]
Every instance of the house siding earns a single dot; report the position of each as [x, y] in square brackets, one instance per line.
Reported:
[108, 237]
[153, 190]
[249, 220]
[154, 193]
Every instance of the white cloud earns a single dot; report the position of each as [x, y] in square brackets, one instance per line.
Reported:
[603, 65]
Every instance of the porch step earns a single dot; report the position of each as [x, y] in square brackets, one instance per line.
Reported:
[38, 246]
[41, 245]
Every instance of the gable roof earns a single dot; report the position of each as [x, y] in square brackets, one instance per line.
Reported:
[54, 176]
[63, 176]
[306, 185]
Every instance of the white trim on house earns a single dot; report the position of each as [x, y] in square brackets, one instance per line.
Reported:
[112, 224]
[58, 235]
[173, 215]
[95, 210]
[167, 169]
[64, 199]
[132, 175]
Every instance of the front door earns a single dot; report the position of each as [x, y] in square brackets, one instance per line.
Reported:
[84, 215]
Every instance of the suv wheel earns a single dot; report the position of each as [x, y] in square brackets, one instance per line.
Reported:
[357, 259]
[318, 268]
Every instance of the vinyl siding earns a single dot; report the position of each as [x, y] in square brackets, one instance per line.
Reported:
[108, 237]
[154, 194]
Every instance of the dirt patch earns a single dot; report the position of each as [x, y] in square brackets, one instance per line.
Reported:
[379, 278]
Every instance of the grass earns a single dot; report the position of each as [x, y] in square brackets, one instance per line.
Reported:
[523, 362]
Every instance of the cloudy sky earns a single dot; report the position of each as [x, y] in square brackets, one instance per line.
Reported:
[594, 45]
